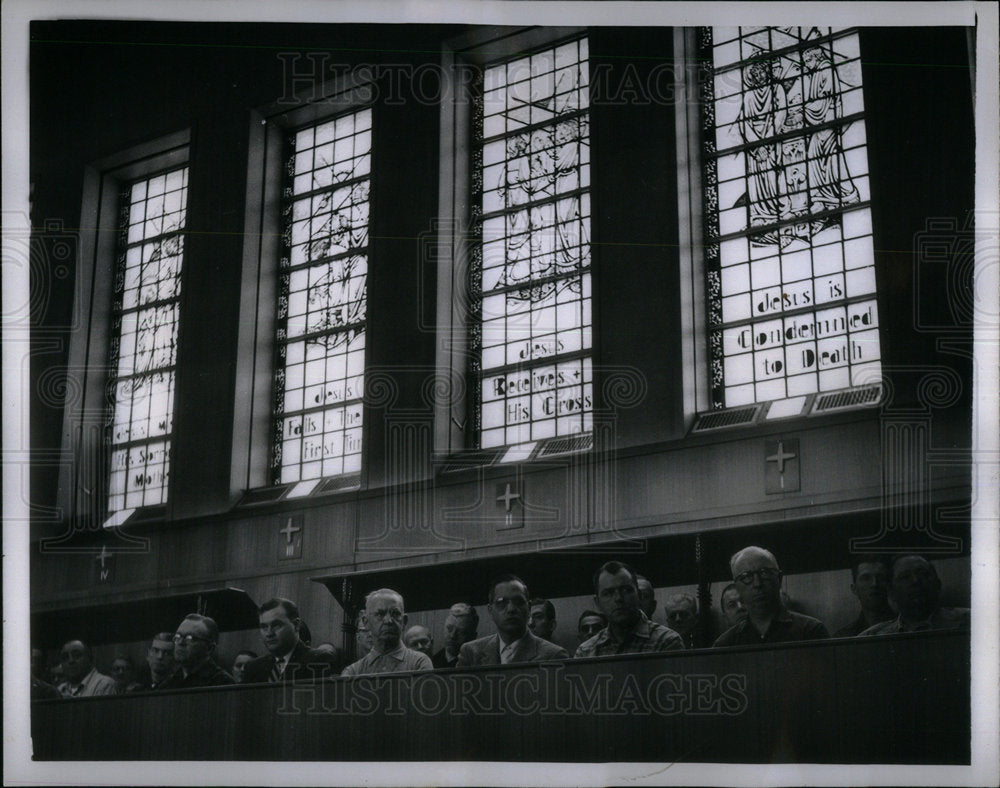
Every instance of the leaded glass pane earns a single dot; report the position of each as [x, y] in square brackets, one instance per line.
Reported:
[787, 164]
[322, 302]
[534, 337]
[144, 344]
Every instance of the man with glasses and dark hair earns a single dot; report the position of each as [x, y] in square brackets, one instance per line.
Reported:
[194, 646]
[288, 657]
[758, 582]
[629, 630]
[385, 618]
[514, 642]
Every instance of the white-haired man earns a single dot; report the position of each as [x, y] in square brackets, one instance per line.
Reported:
[385, 617]
[758, 582]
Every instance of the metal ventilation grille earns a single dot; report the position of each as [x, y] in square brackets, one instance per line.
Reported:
[338, 483]
[470, 459]
[262, 495]
[726, 418]
[570, 445]
[851, 398]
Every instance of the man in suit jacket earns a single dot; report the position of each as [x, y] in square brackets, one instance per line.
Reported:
[508, 606]
[288, 658]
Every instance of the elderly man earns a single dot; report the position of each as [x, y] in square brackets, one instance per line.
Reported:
[513, 642]
[288, 658]
[758, 581]
[80, 677]
[195, 642]
[629, 630]
[647, 597]
[419, 639]
[915, 590]
[460, 627]
[385, 617]
[870, 584]
[589, 624]
[681, 612]
[542, 618]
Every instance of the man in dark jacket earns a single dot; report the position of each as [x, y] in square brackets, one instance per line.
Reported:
[288, 658]
[195, 642]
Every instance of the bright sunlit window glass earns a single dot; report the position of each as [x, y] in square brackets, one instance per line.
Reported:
[322, 301]
[144, 344]
[788, 247]
[530, 273]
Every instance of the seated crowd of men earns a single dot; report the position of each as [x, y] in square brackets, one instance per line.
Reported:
[901, 597]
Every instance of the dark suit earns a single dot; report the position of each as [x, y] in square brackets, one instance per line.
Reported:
[440, 660]
[304, 664]
[486, 651]
[208, 674]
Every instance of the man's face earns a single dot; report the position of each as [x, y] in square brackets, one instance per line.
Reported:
[509, 609]
[239, 664]
[680, 616]
[419, 639]
[160, 659]
[589, 626]
[915, 587]
[872, 586]
[733, 609]
[618, 598]
[758, 581]
[121, 672]
[647, 598]
[76, 661]
[279, 633]
[456, 632]
[192, 645]
[386, 620]
[540, 624]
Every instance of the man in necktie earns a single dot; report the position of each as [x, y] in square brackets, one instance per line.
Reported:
[385, 617]
[288, 658]
[915, 591]
[513, 642]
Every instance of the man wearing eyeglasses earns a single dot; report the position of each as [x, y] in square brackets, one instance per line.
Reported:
[758, 582]
[514, 642]
[288, 658]
[629, 630]
[385, 617]
[194, 647]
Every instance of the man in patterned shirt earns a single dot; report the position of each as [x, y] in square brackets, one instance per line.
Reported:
[629, 631]
[386, 620]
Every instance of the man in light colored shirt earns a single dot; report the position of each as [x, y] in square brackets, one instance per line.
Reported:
[81, 677]
[385, 617]
[915, 590]
[514, 642]
[629, 630]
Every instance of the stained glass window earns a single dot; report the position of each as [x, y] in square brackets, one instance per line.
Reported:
[788, 247]
[322, 301]
[531, 269]
[144, 344]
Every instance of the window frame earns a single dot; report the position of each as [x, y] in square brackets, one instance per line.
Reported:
[453, 415]
[83, 481]
[698, 362]
[256, 355]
